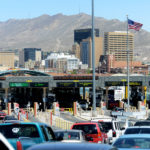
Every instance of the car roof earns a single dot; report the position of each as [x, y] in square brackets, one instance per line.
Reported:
[72, 146]
[85, 123]
[135, 136]
[73, 130]
[133, 127]
[28, 123]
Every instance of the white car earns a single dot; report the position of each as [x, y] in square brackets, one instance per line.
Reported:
[113, 128]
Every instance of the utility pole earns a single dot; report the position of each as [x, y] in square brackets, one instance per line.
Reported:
[93, 60]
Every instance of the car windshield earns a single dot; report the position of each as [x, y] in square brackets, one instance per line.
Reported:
[137, 130]
[106, 125]
[142, 143]
[86, 128]
[19, 130]
[67, 135]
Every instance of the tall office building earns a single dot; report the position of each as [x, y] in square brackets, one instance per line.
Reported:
[86, 51]
[80, 34]
[7, 59]
[29, 54]
[115, 43]
[32, 54]
[76, 50]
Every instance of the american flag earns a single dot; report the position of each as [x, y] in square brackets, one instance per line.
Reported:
[134, 25]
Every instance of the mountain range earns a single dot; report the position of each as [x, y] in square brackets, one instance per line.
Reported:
[56, 33]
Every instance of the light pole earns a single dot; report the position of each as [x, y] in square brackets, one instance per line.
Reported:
[93, 61]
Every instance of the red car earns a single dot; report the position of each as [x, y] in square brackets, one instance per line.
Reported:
[2, 115]
[91, 129]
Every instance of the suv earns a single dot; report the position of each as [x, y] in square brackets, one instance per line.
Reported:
[113, 129]
[91, 129]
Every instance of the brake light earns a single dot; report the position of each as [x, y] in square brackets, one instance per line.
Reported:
[114, 133]
[99, 135]
[19, 145]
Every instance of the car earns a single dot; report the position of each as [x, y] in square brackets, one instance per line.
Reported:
[91, 129]
[28, 133]
[83, 104]
[71, 146]
[138, 130]
[2, 114]
[9, 118]
[4, 144]
[133, 142]
[113, 128]
[70, 135]
[142, 123]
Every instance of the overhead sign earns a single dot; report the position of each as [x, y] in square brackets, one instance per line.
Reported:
[84, 84]
[39, 84]
[120, 83]
[65, 84]
[28, 84]
[74, 84]
[19, 84]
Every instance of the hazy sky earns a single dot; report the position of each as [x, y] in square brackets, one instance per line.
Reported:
[137, 10]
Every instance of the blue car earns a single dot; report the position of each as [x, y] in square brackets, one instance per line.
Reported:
[28, 133]
[133, 142]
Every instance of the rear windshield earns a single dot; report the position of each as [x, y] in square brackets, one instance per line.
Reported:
[107, 125]
[67, 135]
[18, 130]
[142, 124]
[137, 130]
[86, 128]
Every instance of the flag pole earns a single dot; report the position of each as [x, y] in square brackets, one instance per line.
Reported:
[128, 74]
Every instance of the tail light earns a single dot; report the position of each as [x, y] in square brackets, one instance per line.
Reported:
[114, 133]
[19, 145]
[99, 135]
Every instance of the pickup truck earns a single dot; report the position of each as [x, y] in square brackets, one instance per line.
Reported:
[27, 133]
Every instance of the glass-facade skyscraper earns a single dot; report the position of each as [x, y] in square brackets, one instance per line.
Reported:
[80, 34]
[30, 53]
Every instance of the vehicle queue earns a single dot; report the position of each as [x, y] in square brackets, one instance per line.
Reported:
[102, 133]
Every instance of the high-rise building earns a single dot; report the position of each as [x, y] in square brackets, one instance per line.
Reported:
[115, 43]
[7, 59]
[29, 54]
[32, 54]
[80, 34]
[86, 51]
[76, 50]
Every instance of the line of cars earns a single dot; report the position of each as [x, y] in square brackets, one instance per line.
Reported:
[35, 135]
[135, 137]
